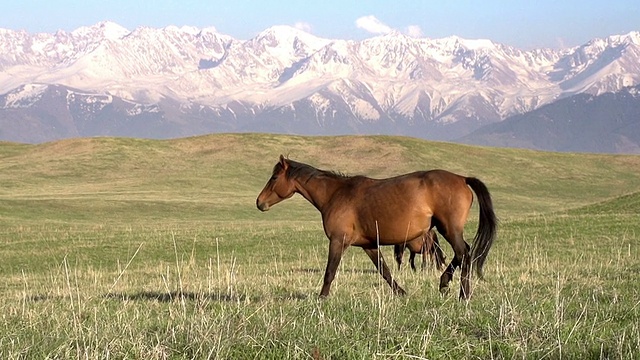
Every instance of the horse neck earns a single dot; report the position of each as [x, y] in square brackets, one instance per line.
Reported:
[318, 190]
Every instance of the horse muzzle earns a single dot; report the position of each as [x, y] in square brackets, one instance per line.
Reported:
[262, 206]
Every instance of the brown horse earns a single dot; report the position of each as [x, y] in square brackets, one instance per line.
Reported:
[364, 212]
[427, 245]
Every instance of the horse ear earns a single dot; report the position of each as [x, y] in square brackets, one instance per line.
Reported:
[283, 162]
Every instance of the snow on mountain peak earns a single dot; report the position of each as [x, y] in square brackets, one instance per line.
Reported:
[24, 96]
[209, 30]
[191, 30]
[287, 35]
[455, 43]
[633, 37]
[478, 44]
[283, 64]
[106, 29]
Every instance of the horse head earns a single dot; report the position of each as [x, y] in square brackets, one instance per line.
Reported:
[278, 188]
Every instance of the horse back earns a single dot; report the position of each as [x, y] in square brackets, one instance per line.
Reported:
[400, 208]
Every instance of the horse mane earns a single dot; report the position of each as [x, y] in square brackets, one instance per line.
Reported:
[302, 170]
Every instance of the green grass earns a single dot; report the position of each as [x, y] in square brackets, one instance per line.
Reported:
[127, 248]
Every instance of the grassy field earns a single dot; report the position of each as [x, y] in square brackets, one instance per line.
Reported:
[126, 248]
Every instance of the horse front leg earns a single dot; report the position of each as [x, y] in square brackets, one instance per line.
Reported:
[376, 256]
[336, 249]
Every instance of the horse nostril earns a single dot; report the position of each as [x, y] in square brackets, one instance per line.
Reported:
[262, 206]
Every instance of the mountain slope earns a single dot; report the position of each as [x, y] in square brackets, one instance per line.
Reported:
[286, 80]
[608, 123]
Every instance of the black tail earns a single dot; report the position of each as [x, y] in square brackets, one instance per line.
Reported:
[487, 225]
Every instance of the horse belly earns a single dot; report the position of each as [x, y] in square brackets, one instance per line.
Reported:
[396, 230]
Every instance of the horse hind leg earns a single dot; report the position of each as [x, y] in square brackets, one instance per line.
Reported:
[465, 277]
[447, 275]
[439, 257]
[461, 258]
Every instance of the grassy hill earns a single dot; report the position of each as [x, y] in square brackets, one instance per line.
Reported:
[132, 248]
[195, 177]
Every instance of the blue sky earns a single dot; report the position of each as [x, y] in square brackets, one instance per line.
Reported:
[525, 24]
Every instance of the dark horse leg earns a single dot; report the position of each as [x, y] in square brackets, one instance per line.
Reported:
[438, 255]
[425, 255]
[376, 256]
[412, 260]
[461, 258]
[465, 277]
[398, 252]
[415, 246]
[436, 251]
[336, 249]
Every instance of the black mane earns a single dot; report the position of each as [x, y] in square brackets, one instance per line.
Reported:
[301, 170]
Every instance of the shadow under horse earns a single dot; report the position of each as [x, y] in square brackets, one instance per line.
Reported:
[365, 212]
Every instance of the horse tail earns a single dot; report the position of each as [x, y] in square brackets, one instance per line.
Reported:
[487, 225]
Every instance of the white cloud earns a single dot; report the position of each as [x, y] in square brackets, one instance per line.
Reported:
[414, 31]
[371, 24]
[301, 25]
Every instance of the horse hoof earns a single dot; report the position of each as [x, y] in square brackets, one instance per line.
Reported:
[444, 290]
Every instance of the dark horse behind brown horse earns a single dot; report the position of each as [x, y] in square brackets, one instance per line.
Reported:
[364, 212]
[426, 245]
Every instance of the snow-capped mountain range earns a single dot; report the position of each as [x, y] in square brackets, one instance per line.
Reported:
[107, 80]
